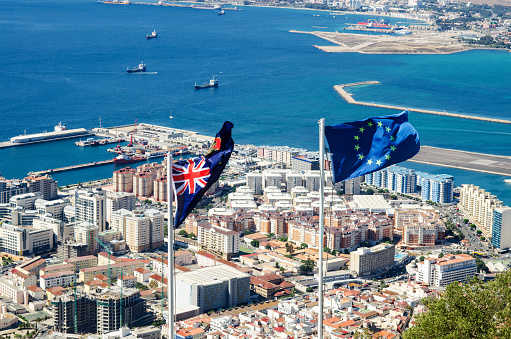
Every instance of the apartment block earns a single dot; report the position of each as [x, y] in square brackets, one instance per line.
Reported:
[123, 180]
[443, 271]
[479, 205]
[80, 263]
[501, 230]
[142, 230]
[90, 206]
[369, 261]
[219, 241]
[119, 200]
[62, 279]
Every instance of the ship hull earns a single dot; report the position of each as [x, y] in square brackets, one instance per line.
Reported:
[127, 161]
[205, 86]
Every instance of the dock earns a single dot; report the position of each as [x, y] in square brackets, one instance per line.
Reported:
[74, 167]
[349, 98]
[6, 144]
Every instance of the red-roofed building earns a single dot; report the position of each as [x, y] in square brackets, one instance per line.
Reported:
[128, 280]
[158, 279]
[142, 274]
[190, 333]
[35, 292]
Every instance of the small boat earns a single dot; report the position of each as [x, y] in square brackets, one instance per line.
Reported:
[222, 12]
[141, 68]
[507, 181]
[212, 83]
[152, 35]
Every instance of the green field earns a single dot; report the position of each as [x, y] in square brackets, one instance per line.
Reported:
[244, 250]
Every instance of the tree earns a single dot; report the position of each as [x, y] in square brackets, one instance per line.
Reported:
[276, 264]
[290, 249]
[283, 239]
[153, 284]
[191, 235]
[472, 226]
[472, 310]
[307, 267]
[309, 289]
[254, 243]
[441, 255]
[271, 235]
[465, 221]
[183, 233]
[334, 252]
[483, 238]
[303, 245]
[369, 191]
[479, 232]
[393, 197]
[421, 258]
[326, 249]
[346, 251]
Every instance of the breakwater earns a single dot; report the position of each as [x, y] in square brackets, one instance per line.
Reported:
[74, 167]
[349, 98]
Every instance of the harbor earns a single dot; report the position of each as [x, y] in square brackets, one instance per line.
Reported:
[349, 98]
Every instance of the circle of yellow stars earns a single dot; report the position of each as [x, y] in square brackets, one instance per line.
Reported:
[357, 147]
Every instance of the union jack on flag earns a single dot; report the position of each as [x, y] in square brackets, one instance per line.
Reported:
[193, 177]
[190, 175]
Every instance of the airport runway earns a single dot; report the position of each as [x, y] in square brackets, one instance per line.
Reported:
[478, 162]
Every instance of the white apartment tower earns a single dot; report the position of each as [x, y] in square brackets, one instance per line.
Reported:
[255, 182]
[142, 230]
[91, 206]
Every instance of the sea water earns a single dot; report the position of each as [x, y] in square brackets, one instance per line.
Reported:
[66, 61]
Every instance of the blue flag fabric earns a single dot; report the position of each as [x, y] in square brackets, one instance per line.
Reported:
[365, 146]
[193, 177]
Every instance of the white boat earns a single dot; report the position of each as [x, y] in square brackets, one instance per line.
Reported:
[507, 181]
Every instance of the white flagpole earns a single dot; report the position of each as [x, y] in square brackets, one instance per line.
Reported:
[170, 234]
[321, 221]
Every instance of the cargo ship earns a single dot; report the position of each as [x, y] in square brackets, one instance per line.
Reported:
[127, 159]
[212, 83]
[141, 68]
[152, 35]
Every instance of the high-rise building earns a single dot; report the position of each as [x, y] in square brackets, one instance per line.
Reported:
[90, 205]
[70, 313]
[10, 188]
[219, 241]
[479, 206]
[255, 182]
[142, 230]
[501, 230]
[27, 200]
[86, 233]
[43, 184]
[160, 188]
[436, 188]
[143, 183]
[369, 261]
[110, 309]
[123, 179]
[293, 179]
[119, 200]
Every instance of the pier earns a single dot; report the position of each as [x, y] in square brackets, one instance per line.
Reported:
[349, 98]
[74, 167]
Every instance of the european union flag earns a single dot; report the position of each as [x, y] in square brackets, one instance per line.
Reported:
[369, 145]
[193, 177]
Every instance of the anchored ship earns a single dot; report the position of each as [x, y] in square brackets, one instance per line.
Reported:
[141, 68]
[152, 35]
[212, 83]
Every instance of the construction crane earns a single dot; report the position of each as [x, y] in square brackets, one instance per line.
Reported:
[107, 250]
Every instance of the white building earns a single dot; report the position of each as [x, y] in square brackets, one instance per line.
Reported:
[479, 205]
[255, 182]
[217, 240]
[212, 288]
[441, 272]
[142, 230]
[25, 240]
[91, 206]
[53, 207]
[119, 200]
[26, 200]
[63, 279]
